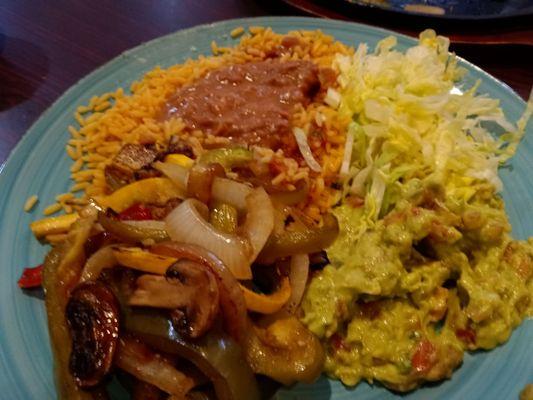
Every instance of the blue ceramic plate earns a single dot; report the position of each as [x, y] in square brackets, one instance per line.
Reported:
[453, 9]
[38, 165]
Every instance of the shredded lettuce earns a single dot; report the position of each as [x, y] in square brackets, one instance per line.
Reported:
[411, 121]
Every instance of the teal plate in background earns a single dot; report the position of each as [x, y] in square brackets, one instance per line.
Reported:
[39, 165]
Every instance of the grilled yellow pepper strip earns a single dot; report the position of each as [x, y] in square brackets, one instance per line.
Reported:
[146, 191]
[136, 258]
[54, 225]
[267, 303]
[180, 159]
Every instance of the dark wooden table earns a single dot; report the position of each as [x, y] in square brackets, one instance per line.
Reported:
[48, 45]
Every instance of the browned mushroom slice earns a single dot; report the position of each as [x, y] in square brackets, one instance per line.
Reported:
[198, 316]
[157, 291]
[190, 290]
[92, 314]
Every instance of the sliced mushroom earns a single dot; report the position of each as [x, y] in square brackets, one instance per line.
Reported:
[232, 302]
[190, 290]
[159, 292]
[92, 314]
[198, 315]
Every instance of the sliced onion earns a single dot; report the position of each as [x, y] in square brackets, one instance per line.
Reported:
[200, 182]
[231, 297]
[347, 158]
[186, 224]
[100, 260]
[333, 98]
[147, 224]
[298, 278]
[303, 145]
[223, 189]
[139, 360]
[231, 192]
[259, 220]
[358, 183]
[176, 173]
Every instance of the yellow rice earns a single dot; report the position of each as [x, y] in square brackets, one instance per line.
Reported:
[235, 33]
[30, 203]
[51, 209]
[113, 119]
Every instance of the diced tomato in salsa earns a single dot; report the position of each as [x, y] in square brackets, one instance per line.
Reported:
[338, 342]
[424, 357]
[467, 335]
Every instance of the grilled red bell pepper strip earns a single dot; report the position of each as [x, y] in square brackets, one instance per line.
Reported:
[136, 212]
[31, 277]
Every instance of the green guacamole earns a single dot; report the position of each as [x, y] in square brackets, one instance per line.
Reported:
[402, 300]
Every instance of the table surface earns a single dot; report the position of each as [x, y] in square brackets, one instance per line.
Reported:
[47, 46]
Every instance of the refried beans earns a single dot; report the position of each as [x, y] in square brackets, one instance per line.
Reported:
[249, 103]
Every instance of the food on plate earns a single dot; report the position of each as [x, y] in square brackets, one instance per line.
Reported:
[286, 207]
[424, 267]
[527, 392]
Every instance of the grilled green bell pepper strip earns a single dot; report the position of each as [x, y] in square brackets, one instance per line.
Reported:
[130, 233]
[224, 217]
[302, 241]
[227, 157]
